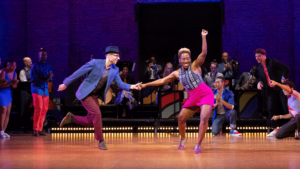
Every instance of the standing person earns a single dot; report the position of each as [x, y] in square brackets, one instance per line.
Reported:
[289, 128]
[275, 100]
[8, 79]
[210, 77]
[40, 75]
[102, 72]
[225, 67]
[153, 71]
[223, 108]
[247, 79]
[201, 96]
[25, 73]
[25, 95]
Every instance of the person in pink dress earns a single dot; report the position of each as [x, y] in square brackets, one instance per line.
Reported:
[201, 96]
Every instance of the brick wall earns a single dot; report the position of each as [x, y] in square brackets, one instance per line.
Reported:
[48, 27]
[259, 24]
[296, 10]
[72, 31]
[13, 31]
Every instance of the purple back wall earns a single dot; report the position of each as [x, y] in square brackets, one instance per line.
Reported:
[72, 31]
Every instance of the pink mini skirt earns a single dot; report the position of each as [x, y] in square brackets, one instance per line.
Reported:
[199, 96]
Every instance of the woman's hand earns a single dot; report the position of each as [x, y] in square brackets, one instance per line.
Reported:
[204, 32]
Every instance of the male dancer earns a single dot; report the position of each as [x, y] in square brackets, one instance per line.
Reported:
[273, 96]
[201, 96]
[289, 128]
[40, 75]
[101, 74]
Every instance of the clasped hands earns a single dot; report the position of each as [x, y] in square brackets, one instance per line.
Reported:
[137, 86]
[218, 98]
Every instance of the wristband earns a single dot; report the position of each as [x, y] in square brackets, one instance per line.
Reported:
[280, 116]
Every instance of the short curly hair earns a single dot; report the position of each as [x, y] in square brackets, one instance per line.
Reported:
[184, 50]
[290, 84]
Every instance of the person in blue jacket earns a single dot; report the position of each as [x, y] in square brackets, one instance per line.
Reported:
[101, 73]
[223, 108]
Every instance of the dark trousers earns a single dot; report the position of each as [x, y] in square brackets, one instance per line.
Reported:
[288, 129]
[218, 122]
[277, 103]
[93, 118]
[25, 114]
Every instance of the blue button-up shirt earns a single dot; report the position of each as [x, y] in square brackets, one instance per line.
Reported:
[38, 76]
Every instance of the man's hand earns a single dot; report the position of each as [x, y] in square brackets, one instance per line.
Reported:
[14, 81]
[4, 81]
[274, 83]
[259, 86]
[218, 98]
[150, 65]
[275, 117]
[62, 87]
[227, 65]
[204, 32]
[137, 86]
[49, 76]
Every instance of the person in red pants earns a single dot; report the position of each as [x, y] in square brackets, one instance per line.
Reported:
[101, 73]
[41, 74]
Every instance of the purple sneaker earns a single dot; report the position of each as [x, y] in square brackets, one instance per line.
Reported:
[197, 149]
[182, 143]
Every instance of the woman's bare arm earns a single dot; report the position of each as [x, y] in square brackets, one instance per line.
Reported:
[201, 58]
[173, 76]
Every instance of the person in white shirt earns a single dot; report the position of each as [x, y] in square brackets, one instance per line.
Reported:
[288, 129]
[25, 98]
[25, 73]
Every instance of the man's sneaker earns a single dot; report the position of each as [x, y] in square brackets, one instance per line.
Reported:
[67, 119]
[6, 135]
[182, 143]
[197, 149]
[235, 133]
[102, 145]
[272, 134]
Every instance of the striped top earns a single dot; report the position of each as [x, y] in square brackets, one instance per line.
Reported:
[189, 79]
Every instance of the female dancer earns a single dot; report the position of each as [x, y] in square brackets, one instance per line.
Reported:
[289, 128]
[8, 74]
[201, 96]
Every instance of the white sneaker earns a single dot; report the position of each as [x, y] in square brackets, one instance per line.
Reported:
[272, 134]
[6, 135]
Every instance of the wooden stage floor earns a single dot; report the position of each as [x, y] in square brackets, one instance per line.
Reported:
[142, 150]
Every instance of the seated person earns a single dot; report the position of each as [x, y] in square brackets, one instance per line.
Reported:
[289, 128]
[125, 97]
[223, 109]
[210, 77]
[169, 86]
[247, 79]
[225, 67]
[153, 71]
